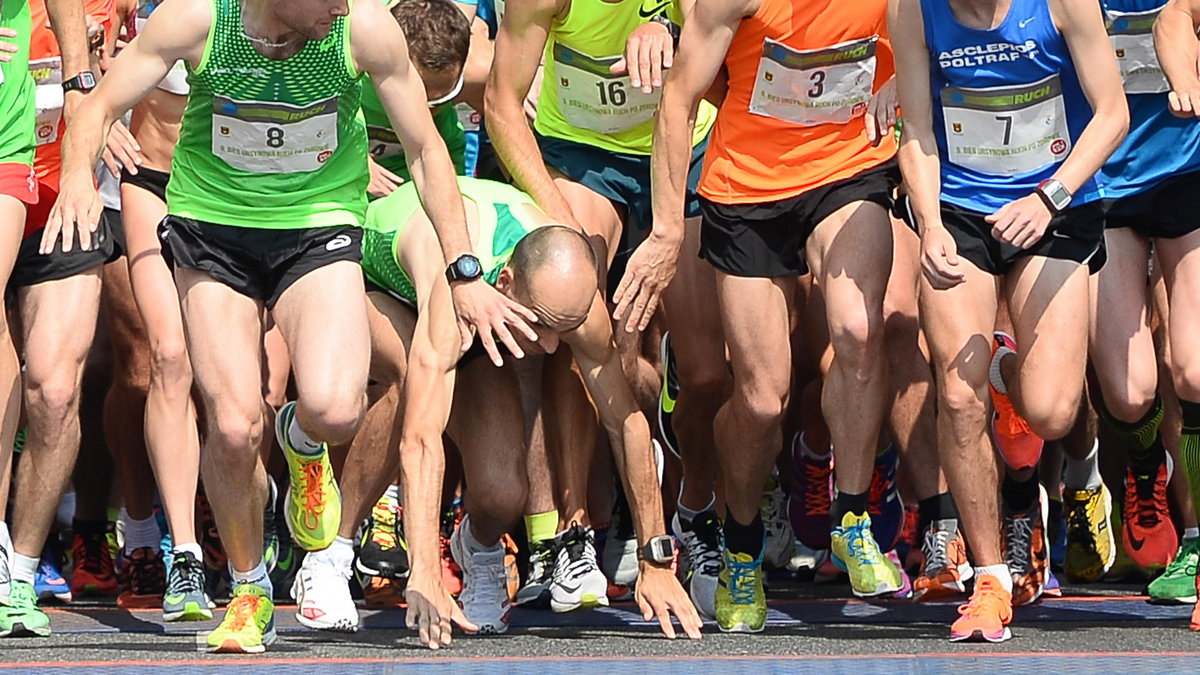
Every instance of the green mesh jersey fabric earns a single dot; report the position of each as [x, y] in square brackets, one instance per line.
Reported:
[18, 113]
[385, 147]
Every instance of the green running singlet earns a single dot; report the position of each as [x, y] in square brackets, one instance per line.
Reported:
[18, 113]
[385, 147]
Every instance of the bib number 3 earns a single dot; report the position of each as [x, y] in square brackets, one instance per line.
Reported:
[832, 85]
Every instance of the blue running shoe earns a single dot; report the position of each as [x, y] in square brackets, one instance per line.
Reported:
[884, 504]
[48, 581]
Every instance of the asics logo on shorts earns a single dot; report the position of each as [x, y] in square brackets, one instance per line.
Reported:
[338, 242]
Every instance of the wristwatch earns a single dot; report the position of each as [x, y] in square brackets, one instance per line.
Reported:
[672, 27]
[659, 550]
[84, 82]
[465, 268]
[1056, 196]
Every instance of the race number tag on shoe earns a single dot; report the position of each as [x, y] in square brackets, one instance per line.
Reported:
[274, 137]
[49, 98]
[1006, 131]
[590, 97]
[1132, 39]
[832, 85]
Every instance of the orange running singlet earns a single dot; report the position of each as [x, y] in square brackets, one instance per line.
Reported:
[800, 75]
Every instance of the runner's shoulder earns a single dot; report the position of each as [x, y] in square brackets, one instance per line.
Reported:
[179, 28]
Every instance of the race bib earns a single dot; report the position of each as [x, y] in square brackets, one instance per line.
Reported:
[817, 86]
[468, 117]
[382, 143]
[1006, 131]
[590, 97]
[1132, 39]
[47, 75]
[260, 137]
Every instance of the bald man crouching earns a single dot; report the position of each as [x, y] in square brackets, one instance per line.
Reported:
[550, 269]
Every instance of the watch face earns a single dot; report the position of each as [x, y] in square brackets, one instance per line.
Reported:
[468, 267]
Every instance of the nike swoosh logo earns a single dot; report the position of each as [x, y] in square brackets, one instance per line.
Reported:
[653, 11]
[1134, 542]
[570, 589]
[174, 599]
[1024, 23]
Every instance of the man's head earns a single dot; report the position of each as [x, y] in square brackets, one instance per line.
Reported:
[312, 19]
[552, 271]
[439, 37]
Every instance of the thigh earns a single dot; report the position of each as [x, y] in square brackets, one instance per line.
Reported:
[1120, 337]
[486, 422]
[754, 317]
[691, 314]
[153, 283]
[12, 226]
[224, 334]
[850, 254]
[392, 325]
[1048, 302]
[958, 324]
[323, 318]
[1180, 260]
[59, 320]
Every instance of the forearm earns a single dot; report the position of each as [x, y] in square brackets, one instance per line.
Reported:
[84, 140]
[1176, 44]
[1099, 139]
[518, 150]
[422, 467]
[670, 163]
[634, 458]
[433, 174]
[70, 29]
[921, 168]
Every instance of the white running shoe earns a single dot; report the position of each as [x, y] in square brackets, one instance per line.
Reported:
[536, 591]
[780, 541]
[701, 544]
[5, 565]
[484, 597]
[620, 562]
[322, 592]
[578, 581]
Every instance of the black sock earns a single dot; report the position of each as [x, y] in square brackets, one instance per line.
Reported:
[935, 508]
[1019, 496]
[93, 527]
[1142, 439]
[844, 503]
[746, 539]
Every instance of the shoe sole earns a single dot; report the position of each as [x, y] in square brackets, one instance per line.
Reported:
[234, 647]
[741, 628]
[190, 612]
[1185, 600]
[588, 601]
[363, 569]
[980, 636]
[19, 630]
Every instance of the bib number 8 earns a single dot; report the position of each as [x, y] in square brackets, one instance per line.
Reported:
[275, 137]
[615, 93]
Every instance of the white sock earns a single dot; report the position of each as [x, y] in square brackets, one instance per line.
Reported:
[341, 552]
[302, 442]
[1083, 474]
[999, 572]
[393, 493]
[23, 567]
[140, 533]
[192, 548]
[1191, 532]
[256, 577]
[686, 515]
[994, 370]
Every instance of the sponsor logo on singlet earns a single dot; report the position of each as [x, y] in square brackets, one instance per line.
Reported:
[972, 56]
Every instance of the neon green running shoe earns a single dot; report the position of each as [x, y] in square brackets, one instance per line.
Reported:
[21, 617]
[741, 600]
[1177, 585]
[855, 551]
[314, 504]
[249, 624]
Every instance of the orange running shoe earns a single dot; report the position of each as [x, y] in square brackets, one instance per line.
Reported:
[93, 573]
[1195, 624]
[1149, 535]
[511, 573]
[946, 569]
[1026, 549]
[986, 616]
[384, 593]
[1020, 447]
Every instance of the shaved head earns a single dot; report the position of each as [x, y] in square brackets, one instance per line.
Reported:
[554, 274]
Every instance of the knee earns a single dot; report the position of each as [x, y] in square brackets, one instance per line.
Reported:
[1052, 417]
[54, 395]
[1130, 401]
[333, 420]
[708, 382]
[501, 494]
[1186, 375]
[857, 338]
[762, 406]
[964, 406]
[235, 433]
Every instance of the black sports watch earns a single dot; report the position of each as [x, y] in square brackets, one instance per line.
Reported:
[84, 82]
[672, 27]
[659, 550]
[465, 268]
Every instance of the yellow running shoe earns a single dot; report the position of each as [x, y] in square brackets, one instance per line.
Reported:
[314, 504]
[1091, 549]
[855, 551]
[249, 624]
[741, 600]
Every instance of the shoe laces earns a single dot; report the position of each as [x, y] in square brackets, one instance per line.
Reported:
[817, 496]
[860, 545]
[743, 580]
[242, 608]
[541, 562]
[187, 577]
[383, 527]
[89, 552]
[1079, 526]
[1017, 541]
[1146, 495]
[936, 550]
[314, 494]
[486, 579]
[577, 553]
[147, 574]
[988, 600]
[704, 551]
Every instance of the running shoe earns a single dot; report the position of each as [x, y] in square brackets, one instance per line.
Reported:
[1091, 550]
[856, 552]
[48, 581]
[986, 616]
[670, 392]
[484, 598]
[780, 538]
[1056, 531]
[185, 599]
[909, 546]
[5, 566]
[946, 569]
[322, 592]
[382, 593]
[1026, 549]
[906, 587]
[883, 500]
[577, 582]
[512, 574]
[1019, 446]
[314, 505]
[249, 623]
[741, 599]
[452, 575]
[145, 579]
[21, 617]
[92, 573]
[210, 536]
[1195, 622]
[271, 541]
[1177, 585]
[1150, 536]
[536, 591]
[382, 551]
[702, 545]
[812, 495]
[620, 563]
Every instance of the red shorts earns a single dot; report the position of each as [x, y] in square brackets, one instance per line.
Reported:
[39, 211]
[18, 180]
